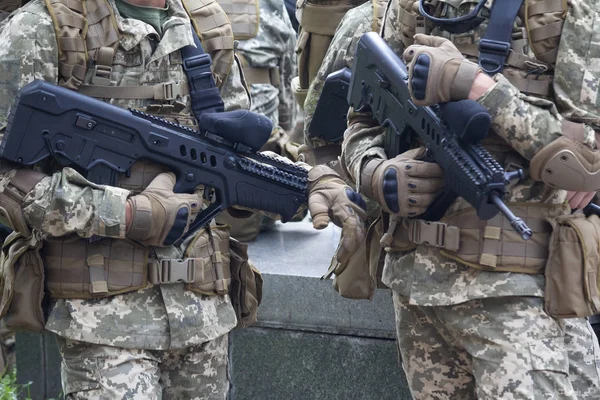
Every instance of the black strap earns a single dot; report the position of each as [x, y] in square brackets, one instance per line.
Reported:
[495, 45]
[204, 93]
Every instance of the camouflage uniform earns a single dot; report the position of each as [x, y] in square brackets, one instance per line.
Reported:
[340, 54]
[272, 47]
[161, 338]
[469, 333]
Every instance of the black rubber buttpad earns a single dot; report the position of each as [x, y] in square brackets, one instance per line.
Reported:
[390, 189]
[419, 76]
[178, 228]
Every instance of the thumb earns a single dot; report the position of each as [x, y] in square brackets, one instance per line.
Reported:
[163, 181]
[319, 210]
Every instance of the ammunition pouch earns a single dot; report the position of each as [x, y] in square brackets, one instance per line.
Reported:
[75, 268]
[22, 283]
[14, 186]
[360, 275]
[572, 269]
[491, 245]
[246, 285]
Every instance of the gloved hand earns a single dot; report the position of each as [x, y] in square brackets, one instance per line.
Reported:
[330, 199]
[437, 71]
[404, 185]
[160, 217]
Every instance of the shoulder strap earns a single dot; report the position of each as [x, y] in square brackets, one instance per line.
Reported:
[85, 30]
[244, 16]
[495, 45]
[215, 32]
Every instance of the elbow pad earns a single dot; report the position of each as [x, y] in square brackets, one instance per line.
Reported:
[567, 164]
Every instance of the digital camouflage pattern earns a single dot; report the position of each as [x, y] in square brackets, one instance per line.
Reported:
[94, 209]
[272, 47]
[163, 318]
[103, 372]
[466, 333]
[478, 349]
[521, 126]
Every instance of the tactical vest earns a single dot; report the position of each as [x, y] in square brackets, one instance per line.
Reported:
[87, 37]
[87, 32]
[534, 46]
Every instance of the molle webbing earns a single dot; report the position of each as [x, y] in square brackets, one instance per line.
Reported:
[244, 16]
[544, 22]
[539, 85]
[323, 17]
[379, 8]
[269, 76]
[491, 245]
[84, 30]
[80, 268]
[214, 29]
[319, 20]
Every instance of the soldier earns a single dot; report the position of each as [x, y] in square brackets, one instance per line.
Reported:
[124, 329]
[470, 316]
[266, 50]
[340, 54]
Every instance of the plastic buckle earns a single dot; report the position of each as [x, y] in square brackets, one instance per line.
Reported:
[429, 233]
[492, 55]
[171, 90]
[176, 271]
[101, 75]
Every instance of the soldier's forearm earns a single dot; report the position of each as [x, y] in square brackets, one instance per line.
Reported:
[527, 124]
[66, 203]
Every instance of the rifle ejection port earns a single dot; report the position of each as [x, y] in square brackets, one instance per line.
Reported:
[85, 122]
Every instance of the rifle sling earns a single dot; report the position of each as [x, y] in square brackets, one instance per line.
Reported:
[495, 45]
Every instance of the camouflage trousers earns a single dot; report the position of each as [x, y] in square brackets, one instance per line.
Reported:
[496, 348]
[96, 372]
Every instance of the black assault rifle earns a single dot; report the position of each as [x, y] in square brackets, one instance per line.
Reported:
[103, 140]
[380, 84]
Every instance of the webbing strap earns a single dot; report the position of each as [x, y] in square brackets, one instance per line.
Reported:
[269, 76]
[204, 93]
[162, 91]
[495, 45]
[98, 284]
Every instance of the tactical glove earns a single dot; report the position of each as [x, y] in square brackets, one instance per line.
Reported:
[437, 71]
[330, 198]
[159, 216]
[404, 185]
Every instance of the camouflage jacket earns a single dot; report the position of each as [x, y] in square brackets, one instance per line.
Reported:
[158, 317]
[521, 126]
[272, 47]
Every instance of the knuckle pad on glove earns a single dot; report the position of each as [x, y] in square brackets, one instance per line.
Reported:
[179, 227]
[420, 75]
[390, 189]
